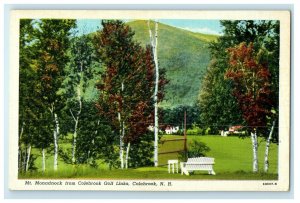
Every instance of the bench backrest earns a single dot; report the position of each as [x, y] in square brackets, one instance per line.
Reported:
[207, 160]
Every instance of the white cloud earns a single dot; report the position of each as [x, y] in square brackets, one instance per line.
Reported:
[204, 30]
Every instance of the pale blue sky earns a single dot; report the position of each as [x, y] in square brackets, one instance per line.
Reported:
[202, 26]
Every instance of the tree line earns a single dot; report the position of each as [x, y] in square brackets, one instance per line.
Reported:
[94, 90]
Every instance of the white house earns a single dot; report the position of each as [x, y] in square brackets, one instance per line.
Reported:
[171, 129]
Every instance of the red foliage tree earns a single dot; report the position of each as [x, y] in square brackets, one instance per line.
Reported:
[126, 88]
[251, 84]
[252, 88]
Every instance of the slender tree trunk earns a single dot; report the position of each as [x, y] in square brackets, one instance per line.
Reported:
[24, 160]
[154, 49]
[266, 161]
[55, 136]
[28, 156]
[20, 148]
[76, 120]
[254, 149]
[74, 142]
[122, 132]
[121, 141]
[127, 155]
[44, 160]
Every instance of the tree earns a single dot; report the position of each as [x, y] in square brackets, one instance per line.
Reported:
[252, 88]
[52, 45]
[32, 111]
[80, 72]
[153, 42]
[218, 107]
[25, 89]
[127, 84]
[95, 140]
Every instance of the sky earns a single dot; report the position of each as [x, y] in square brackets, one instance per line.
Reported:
[203, 26]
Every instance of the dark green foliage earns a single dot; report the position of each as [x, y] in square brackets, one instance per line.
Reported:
[175, 116]
[95, 138]
[218, 107]
[82, 70]
[141, 153]
[43, 47]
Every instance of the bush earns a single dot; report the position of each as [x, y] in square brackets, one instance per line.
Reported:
[208, 131]
[195, 149]
[195, 130]
[141, 152]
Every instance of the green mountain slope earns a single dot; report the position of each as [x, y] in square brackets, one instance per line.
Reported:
[183, 54]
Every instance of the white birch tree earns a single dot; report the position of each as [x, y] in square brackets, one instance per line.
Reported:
[80, 63]
[154, 43]
[268, 141]
[251, 79]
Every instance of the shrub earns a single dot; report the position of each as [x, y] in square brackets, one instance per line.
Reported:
[195, 149]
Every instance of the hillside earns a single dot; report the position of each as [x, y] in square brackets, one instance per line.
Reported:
[183, 54]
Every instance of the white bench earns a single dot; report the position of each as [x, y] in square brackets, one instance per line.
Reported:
[198, 164]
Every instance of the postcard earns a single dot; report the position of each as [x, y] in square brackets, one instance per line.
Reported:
[149, 100]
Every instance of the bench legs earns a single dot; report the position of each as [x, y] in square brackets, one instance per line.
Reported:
[212, 172]
[184, 171]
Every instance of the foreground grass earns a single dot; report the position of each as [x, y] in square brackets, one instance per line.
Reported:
[233, 161]
[143, 173]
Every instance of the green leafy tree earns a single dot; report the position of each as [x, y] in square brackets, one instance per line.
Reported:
[53, 40]
[96, 139]
[25, 89]
[80, 72]
[32, 119]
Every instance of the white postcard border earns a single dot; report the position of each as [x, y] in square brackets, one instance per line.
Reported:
[282, 184]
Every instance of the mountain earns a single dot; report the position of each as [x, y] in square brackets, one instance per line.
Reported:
[183, 54]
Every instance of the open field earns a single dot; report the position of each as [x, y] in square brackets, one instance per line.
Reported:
[233, 157]
[230, 153]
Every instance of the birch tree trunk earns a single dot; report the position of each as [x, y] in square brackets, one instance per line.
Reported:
[20, 148]
[24, 160]
[121, 152]
[44, 160]
[127, 155]
[154, 49]
[55, 136]
[28, 157]
[122, 131]
[266, 160]
[254, 149]
[74, 141]
[76, 119]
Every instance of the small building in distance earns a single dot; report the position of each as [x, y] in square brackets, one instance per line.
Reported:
[171, 129]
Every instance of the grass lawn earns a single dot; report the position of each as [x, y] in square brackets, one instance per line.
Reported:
[233, 158]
